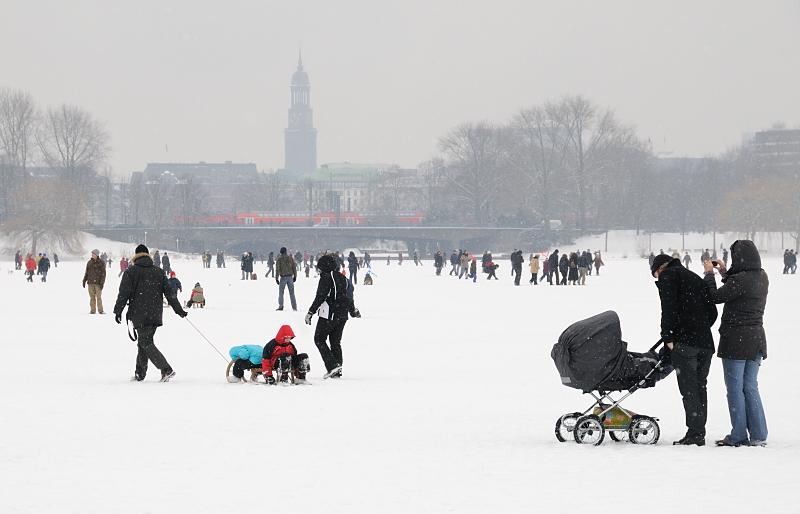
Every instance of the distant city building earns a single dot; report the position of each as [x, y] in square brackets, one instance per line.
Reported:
[301, 136]
[778, 149]
[216, 184]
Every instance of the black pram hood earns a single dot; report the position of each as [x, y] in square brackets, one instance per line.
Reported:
[590, 351]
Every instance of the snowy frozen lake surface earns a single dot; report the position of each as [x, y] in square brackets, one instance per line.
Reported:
[447, 404]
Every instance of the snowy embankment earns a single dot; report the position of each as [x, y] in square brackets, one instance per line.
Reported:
[447, 404]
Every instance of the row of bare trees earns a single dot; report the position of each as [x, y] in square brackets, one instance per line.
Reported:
[573, 161]
[560, 160]
[48, 160]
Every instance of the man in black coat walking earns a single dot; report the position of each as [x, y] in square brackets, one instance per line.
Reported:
[332, 304]
[552, 267]
[516, 265]
[142, 288]
[687, 314]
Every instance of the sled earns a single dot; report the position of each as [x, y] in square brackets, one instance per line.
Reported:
[255, 372]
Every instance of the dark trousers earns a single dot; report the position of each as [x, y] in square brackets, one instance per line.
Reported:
[517, 272]
[563, 277]
[241, 365]
[147, 351]
[534, 279]
[330, 330]
[692, 366]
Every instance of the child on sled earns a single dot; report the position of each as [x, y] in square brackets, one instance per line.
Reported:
[279, 355]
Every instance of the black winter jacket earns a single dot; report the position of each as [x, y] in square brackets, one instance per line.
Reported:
[744, 293]
[553, 261]
[687, 311]
[331, 292]
[141, 289]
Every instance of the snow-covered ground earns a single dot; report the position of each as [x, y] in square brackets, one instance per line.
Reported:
[447, 404]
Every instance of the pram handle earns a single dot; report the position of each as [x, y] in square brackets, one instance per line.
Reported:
[659, 343]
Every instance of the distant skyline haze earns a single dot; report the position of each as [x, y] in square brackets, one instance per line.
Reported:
[197, 80]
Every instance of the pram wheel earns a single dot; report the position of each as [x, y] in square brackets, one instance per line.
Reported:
[644, 430]
[565, 425]
[618, 436]
[589, 430]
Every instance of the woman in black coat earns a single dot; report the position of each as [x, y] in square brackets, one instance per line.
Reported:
[742, 343]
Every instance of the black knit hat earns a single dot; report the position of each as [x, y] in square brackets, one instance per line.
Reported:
[283, 249]
[142, 249]
[659, 261]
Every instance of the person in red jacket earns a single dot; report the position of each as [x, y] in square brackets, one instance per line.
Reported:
[30, 267]
[280, 353]
[123, 265]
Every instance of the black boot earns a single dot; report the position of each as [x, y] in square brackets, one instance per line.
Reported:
[689, 440]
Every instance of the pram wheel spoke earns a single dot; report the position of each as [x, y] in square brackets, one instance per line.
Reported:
[589, 430]
[644, 430]
[565, 425]
[618, 436]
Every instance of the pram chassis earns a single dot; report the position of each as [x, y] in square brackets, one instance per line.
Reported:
[589, 428]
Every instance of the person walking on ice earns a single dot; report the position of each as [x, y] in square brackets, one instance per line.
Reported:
[332, 304]
[95, 276]
[285, 277]
[141, 289]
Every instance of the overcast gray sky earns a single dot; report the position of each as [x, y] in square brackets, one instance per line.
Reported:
[209, 79]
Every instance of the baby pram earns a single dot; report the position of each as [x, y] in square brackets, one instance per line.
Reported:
[591, 356]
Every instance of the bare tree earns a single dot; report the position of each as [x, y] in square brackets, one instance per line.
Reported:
[71, 139]
[473, 154]
[591, 132]
[47, 214]
[540, 150]
[17, 127]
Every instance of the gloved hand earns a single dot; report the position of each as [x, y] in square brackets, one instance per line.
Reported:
[84, 284]
[294, 279]
[183, 313]
[356, 313]
[269, 379]
[118, 318]
[277, 281]
[309, 315]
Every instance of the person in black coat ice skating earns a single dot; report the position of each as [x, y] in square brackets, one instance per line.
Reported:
[687, 314]
[141, 289]
[332, 304]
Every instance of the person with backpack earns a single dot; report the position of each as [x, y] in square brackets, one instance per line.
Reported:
[285, 277]
[141, 290]
[332, 304]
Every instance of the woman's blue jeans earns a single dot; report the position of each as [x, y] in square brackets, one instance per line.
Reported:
[744, 401]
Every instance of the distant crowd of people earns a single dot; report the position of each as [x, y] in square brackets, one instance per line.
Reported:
[572, 268]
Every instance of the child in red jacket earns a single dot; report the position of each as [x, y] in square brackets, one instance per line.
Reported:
[281, 355]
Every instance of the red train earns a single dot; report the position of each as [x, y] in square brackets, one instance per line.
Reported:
[294, 219]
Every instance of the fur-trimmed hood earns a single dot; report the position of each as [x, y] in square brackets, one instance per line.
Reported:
[142, 259]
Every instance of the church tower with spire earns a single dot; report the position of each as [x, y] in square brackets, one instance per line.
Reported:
[301, 136]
